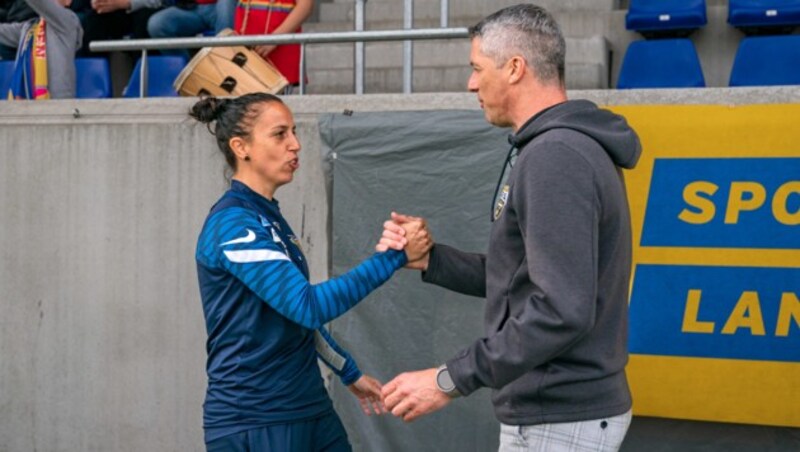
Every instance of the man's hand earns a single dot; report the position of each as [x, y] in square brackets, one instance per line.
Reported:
[414, 394]
[368, 391]
[409, 233]
[109, 6]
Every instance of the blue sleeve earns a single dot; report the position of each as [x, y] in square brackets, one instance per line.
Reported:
[335, 357]
[235, 240]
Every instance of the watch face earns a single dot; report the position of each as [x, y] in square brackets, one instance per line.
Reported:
[444, 381]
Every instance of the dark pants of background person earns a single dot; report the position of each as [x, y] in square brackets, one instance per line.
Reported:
[116, 25]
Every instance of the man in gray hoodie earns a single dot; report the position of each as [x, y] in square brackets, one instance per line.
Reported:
[557, 270]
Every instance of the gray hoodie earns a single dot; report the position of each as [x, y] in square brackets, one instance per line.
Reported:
[556, 274]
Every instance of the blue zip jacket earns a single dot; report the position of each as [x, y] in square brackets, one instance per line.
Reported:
[265, 320]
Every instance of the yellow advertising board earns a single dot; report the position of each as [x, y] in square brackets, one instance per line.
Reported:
[715, 308]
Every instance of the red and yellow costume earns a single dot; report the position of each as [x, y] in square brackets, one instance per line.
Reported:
[257, 17]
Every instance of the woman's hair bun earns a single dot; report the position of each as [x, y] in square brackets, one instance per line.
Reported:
[208, 109]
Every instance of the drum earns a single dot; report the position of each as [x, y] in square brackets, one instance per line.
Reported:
[228, 71]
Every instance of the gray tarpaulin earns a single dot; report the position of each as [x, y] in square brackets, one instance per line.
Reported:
[442, 166]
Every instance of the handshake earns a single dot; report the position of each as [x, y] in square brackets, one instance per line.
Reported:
[404, 232]
[409, 395]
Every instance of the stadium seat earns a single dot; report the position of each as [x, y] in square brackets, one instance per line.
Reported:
[767, 60]
[673, 17]
[764, 13]
[162, 71]
[6, 72]
[661, 63]
[93, 77]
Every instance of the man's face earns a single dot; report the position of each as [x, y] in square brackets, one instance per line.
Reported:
[488, 82]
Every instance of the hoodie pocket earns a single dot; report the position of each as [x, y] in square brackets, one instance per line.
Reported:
[498, 315]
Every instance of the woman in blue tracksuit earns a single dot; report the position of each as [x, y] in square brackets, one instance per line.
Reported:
[264, 319]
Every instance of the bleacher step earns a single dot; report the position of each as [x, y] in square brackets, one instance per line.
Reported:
[387, 10]
[438, 65]
[573, 24]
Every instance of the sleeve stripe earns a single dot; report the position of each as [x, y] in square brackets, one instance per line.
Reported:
[250, 256]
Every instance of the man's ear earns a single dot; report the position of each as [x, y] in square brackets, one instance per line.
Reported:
[239, 147]
[516, 69]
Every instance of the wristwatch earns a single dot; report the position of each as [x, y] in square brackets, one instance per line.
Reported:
[445, 383]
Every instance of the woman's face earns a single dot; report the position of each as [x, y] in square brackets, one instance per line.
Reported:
[273, 145]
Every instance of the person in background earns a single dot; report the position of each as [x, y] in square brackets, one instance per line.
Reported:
[557, 271]
[113, 19]
[13, 11]
[263, 317]
[45, 61]
[262, 17]
[189, 18]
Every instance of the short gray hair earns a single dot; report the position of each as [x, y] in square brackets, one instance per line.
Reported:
[526, 30]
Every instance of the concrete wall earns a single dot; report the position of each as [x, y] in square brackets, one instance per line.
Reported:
[101, 332]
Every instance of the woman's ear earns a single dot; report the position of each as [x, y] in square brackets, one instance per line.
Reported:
[239, 148]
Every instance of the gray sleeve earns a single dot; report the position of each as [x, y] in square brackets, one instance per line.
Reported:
[558, 212]
[456, 270]
[57, 16]
[10, 33]
[139, 4]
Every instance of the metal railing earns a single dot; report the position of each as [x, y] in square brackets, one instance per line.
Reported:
[359, 37]
[408, 48]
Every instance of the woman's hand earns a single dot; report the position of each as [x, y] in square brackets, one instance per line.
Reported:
[368, 391]
[109, 6]
[404, 232]
[264, 50]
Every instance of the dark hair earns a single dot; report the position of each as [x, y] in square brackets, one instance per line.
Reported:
[234, 118]
[526, 30]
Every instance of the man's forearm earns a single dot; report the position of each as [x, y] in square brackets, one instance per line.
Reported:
[456, 270]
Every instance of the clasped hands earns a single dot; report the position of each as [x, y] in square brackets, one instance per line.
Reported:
[404, 232]
[410, 394]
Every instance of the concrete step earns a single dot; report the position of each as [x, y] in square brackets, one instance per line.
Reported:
[443, 65]
[451, 52]
[438, 66]
[388, 10]
[389, 80]
[431, 79]
[573, 24]
[322, 27]
[389, 54]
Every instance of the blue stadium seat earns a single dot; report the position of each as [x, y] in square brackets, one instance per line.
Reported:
[763, 13]
[661, 63]
[655, 16]
[93, 77]
[6, 72]
[162, 71]
[767, 60]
